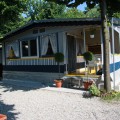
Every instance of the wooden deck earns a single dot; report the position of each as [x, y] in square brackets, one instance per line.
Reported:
[83, 72]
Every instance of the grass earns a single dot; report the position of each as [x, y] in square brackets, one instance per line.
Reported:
[111, 96]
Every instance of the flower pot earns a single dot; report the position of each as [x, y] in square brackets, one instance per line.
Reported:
[87, 84]
[58, 83]
[3, 117]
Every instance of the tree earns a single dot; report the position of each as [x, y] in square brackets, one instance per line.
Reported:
[88, 13]
[40, 9]
[109, 6]
[73, 13]
[92, 13]
[9, 26]
[116, 15]
[10, 10]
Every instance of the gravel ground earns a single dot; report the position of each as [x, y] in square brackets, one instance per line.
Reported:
[20, 103]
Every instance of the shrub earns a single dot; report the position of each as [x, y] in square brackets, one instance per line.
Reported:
[88, 56]
[94, 90]
[113, 95]
[59, 57]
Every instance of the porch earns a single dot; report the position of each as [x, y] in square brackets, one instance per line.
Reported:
[90, 72]
[79, 41]
[76, 79]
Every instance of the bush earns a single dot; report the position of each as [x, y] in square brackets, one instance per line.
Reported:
[88, 56]
[113, 95]
[59, 57]
[94, 90]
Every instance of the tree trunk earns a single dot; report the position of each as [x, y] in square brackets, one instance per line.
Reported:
[106, 65]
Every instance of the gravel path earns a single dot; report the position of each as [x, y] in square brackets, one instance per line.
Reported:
[20, 103]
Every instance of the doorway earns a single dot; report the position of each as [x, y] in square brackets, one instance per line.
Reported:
[71, 53]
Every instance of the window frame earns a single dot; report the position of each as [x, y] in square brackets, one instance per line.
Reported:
[21, 50]
[42, 36]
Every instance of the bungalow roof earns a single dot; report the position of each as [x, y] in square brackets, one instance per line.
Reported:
[55, 22]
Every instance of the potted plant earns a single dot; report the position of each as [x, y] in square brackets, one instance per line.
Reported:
[88, 56]
[87, 84]
[59, 57]
[3, 117]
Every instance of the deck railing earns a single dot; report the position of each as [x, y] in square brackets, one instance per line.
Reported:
[80, 59]
[32, 61]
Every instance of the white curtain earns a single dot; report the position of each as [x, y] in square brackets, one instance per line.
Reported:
[15, 47]
[53, 42]
[44, 45]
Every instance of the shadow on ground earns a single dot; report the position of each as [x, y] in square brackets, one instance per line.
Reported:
[11, 85]
[8, 110]
[14, 85]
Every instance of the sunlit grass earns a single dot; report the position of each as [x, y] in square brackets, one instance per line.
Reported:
[111, 96]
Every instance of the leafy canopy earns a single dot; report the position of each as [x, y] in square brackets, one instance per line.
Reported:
[10, 11]
[37, 10]
[112, 5]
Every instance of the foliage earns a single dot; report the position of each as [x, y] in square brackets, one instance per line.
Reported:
[37, 10]
[46, 10]
[92, 13]
[59, 57]
[116, 15]
[10, 12]
[112, 6]
[10, 26]
[94, 90]
[88, 56]
[113, 95]
[73, 13]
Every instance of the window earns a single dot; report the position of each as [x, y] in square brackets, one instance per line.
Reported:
[29, 48]
[48, 45]
[15, 47]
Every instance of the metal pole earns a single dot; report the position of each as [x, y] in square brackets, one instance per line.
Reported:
[84, 47]
[84, 40]
[66, 53]
[101, 45]
[113, 50]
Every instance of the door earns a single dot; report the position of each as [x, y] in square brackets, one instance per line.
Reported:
[71, 53]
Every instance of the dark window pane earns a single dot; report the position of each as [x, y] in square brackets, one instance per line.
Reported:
[25, 48]
[33, 48]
